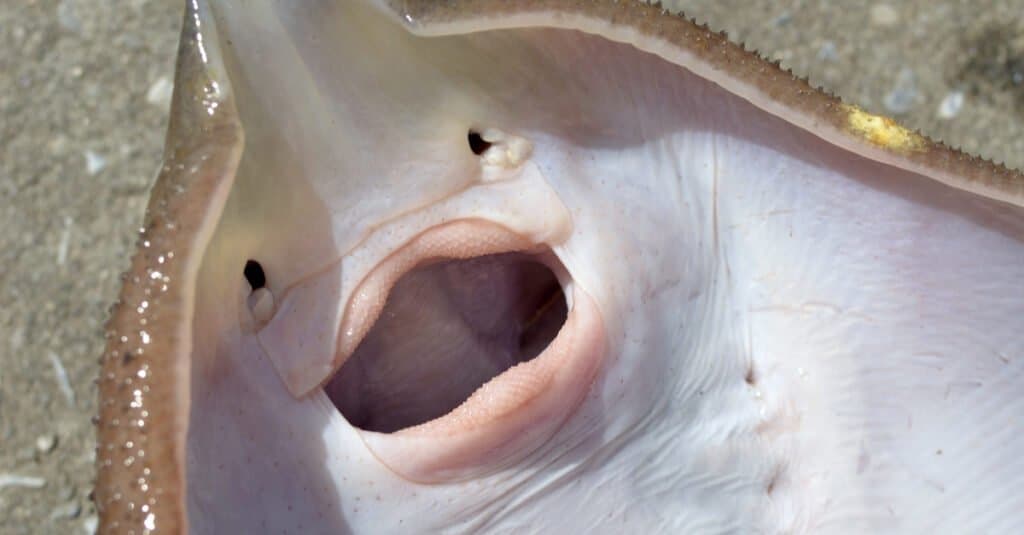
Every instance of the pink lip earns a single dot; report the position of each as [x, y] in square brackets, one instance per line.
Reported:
[513, 413]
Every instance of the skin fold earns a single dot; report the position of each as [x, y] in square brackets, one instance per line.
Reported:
[784, 315]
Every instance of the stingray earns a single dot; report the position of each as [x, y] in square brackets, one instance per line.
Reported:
[553, 266]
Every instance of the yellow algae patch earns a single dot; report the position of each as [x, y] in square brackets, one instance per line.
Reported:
[882, 131]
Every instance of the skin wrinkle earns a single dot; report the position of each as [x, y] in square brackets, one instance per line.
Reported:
[368, 235]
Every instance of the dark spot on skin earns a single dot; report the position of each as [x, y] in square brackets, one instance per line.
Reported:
[477, 143]
[254, 274]
[749, 378]
[771, 483]
[127, 358]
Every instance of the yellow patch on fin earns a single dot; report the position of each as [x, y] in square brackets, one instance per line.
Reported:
[882, 131]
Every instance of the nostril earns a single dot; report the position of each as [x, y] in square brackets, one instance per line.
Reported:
[499, 152]
[477, 144]
[254, 275]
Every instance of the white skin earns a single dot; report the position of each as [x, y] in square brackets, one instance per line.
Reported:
[788, 338]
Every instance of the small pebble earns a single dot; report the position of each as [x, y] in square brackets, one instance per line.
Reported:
[90, 524]
[46, 443]
[828, 51]
[68, 510]
[58, 144]
[160, 91]
[127, 150]
[951, 105]
[884, 15]
[16, 480]
[902, 97]
[67, 17]
[61, 374]
[94, 163]
[67, 491]
[17, 339]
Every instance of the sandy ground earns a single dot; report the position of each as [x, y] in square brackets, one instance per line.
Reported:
[84, 88]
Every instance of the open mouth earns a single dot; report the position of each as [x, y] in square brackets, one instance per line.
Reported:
[447, 328]
[465, 347]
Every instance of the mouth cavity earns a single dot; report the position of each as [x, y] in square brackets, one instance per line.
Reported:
[464, 350]
[448, 327]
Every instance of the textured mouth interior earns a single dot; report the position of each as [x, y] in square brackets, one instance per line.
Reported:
[447, 328]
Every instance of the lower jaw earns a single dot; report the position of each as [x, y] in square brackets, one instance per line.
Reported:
[507, 418]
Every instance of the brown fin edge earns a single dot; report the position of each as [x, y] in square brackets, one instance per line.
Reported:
[144, 379]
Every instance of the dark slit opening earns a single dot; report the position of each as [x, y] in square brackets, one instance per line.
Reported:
[477, 143]
[446, 329]
[254, 275]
